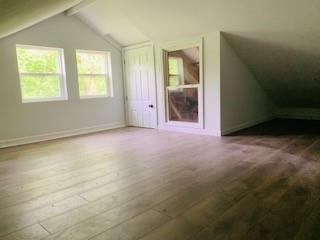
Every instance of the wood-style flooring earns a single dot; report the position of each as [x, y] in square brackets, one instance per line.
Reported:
[131, 183]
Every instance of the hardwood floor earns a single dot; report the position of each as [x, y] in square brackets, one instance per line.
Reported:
[130, 183]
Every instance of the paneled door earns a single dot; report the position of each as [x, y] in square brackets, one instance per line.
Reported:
[140, 87]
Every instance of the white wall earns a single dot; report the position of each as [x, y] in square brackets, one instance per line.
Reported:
[211, 83]
[244, 103]
[18, 120]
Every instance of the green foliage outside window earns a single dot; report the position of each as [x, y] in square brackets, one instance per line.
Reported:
[173, 66]
[37, 61]
[92, 85]
[174, 71]
[40, 87]
[92, 70]
[40, 73]
[90, 63]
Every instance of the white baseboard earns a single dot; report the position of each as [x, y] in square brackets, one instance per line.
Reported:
[246, 125]
[189, 130]
[299, 113]
[61, 134]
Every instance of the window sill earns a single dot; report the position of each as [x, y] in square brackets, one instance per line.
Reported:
[95, 97]
[196, 125]
[43, 100]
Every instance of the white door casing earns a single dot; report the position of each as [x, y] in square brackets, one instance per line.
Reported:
[140, 83]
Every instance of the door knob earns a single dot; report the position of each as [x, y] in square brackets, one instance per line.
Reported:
[151, 106]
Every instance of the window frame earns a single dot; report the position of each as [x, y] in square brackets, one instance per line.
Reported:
[199, 86]
[107, 75]
[61, 75]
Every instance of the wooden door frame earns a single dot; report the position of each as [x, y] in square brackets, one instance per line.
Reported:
[125, 89]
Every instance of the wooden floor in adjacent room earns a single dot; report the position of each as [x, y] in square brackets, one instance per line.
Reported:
[131, 183]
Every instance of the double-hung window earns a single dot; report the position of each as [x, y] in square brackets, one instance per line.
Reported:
[42, 73]
[94, 74]
[183, 87]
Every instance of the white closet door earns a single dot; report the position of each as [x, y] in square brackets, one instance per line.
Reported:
[140, 87]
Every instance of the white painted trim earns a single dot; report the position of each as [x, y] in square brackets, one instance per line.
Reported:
[61, 134]
[125, 89]
[138, 45]
[246, 125]
[94, 97]
[189, 130]
[299, 113]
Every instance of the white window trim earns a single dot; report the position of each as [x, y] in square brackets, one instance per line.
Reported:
[107, 75]
[61, 75]
[174, 47]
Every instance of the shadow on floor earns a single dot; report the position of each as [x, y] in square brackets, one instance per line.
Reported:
[296, 137]
[282, 128]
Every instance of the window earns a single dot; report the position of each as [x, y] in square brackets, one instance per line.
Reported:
[42, 75]
[183, 87]
[94, 74]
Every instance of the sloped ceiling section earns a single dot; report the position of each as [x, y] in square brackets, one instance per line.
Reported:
[16, 15]
[110, 19]
[278, 40]
[287, 65]
[168, 19]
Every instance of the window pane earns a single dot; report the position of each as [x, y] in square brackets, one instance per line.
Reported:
[174, 66]
[183, 104]
[91, 63]
[174, 81]
[185, 62]
[38, 60]
[92, 85]
[35, 87]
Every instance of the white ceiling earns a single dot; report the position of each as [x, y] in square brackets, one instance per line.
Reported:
[108, 19]
[279, 40]
[129, 21]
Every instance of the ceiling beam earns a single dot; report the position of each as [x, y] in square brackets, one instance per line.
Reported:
[77, 8]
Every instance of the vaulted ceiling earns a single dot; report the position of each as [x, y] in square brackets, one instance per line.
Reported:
[279, 40]
[170, 19]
